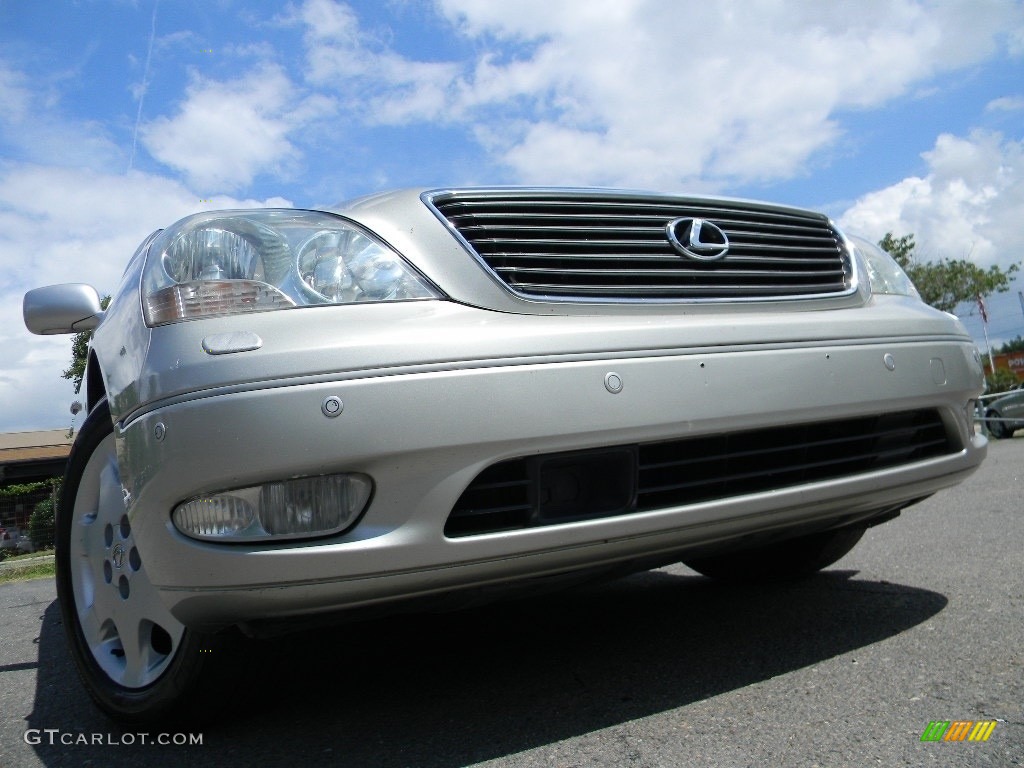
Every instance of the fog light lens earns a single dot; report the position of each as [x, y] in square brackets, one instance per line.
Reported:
[214, 516]
[292, 509]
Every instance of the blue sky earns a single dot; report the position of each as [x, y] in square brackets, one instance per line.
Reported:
[117, 118]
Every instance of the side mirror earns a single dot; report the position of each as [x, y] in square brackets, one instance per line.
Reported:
[67, 308]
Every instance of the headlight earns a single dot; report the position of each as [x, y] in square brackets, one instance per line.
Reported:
[226, 262]
[884, 274]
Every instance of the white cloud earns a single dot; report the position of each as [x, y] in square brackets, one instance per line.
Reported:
[60, 225]
[970, 203]
[34, 394]
[1016, 41]
[654, 93]
[14, 95]
[1006, 104]
[226, 133]
[721, 91]
[32, 126]
[343, 56]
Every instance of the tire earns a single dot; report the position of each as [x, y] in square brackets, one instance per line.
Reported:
[138, 663]
[790, 559]
[997, 429]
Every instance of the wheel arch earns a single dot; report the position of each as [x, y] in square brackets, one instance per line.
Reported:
[95, 390]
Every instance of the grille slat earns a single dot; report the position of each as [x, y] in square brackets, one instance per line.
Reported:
[846, 442]
[513, 234]
[593, 242]
[515, 246]
[506, 495]
[599, 204]
[852, 461]
[778, 274]
[511, 509]
[640, 290]
[672, 259]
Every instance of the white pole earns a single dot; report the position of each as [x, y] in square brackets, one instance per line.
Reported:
[988, 348]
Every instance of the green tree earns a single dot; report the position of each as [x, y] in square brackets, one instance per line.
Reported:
[80, 352]
[901, 249]
[947, 283]
[1014, 345]
[1000, 381]
[41, 524]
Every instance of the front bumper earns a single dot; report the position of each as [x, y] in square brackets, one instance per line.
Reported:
[424, 435]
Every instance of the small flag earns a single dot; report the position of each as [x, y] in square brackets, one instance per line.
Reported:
[981, 306]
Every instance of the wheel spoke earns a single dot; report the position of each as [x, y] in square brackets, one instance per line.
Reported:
[91, 625]
[136, 654]
[111, 497]
[153, 610]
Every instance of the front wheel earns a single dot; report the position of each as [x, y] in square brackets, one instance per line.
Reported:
[136, 660]
[789, 559]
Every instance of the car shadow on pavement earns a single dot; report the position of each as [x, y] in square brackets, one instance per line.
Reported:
[462, 687]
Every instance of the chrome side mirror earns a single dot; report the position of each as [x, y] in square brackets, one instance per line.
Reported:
[67, 308]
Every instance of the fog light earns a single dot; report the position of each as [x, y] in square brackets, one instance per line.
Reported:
[292, 509]
[214, 516]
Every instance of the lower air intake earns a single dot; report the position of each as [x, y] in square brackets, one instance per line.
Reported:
[557, 488]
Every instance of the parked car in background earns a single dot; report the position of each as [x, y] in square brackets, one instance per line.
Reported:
[1005, 415]
[13, 539]
[9, 537]
[423, 394]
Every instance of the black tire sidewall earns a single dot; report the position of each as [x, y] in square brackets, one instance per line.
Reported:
[783, 561]
[997, 429]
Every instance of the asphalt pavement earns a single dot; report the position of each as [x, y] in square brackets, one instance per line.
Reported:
[923, 622]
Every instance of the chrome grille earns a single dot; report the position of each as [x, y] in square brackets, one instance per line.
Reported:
[583, 245]
[524, 492]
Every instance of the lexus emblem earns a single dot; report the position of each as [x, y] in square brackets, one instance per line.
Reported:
[697, 238]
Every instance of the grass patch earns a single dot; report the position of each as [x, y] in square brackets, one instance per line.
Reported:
[27, 571]
[13, 557]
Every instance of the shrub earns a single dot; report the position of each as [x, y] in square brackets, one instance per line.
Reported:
[1000, 381]
[41, 524]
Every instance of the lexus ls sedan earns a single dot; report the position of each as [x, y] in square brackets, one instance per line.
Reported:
[296, 415]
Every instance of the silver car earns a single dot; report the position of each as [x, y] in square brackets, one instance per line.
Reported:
[1005, 414]
[294, 415]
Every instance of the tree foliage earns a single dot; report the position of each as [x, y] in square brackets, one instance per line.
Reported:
[1000, 381]
[947, 283]
[24, 489]
[1013, 345]
[41, 524]
[80, 352]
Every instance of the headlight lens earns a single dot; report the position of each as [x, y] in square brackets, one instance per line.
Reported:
[228, 262]
[884, 274]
